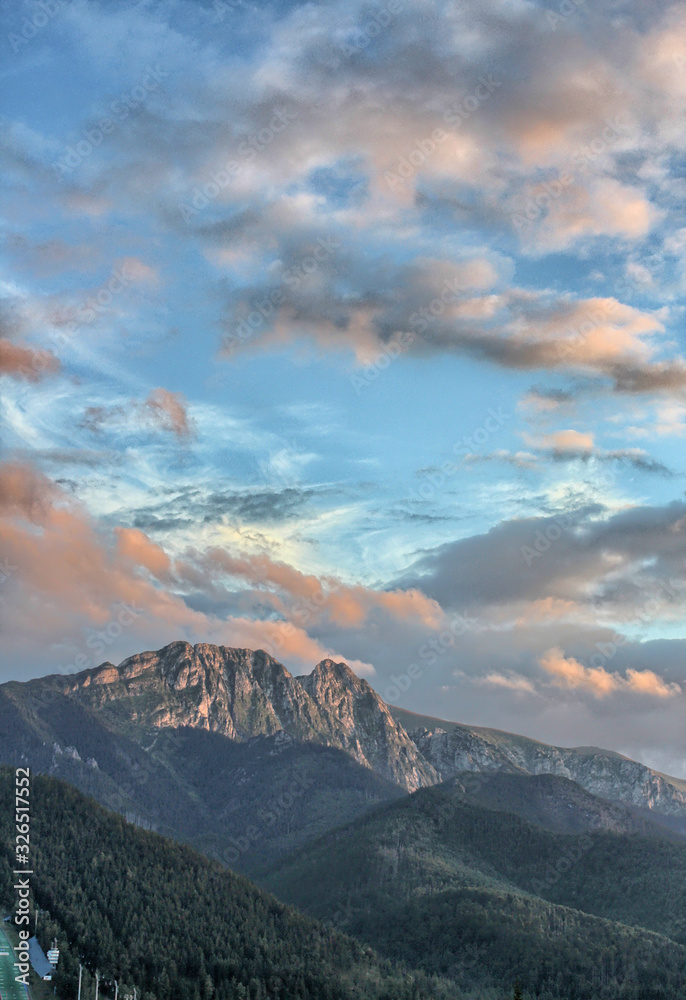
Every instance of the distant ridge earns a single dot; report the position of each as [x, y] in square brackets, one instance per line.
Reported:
[158, 734]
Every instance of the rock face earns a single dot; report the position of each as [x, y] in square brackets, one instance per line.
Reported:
[113, 716]
[365, 727]
[242, 694]
[604, 773]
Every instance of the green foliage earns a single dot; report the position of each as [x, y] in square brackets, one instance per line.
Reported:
[485, 898]
[153, 914]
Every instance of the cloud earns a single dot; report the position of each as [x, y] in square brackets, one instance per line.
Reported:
[137, 548]
[571, 674]
[548, 98]
[200, 505]
[572, 445]
[307, 598]
[71, 578]
[162, 410]
[510, 682]
[168, 411]
[590, 556]
[563, 441]
[605, 208]
[28, 363]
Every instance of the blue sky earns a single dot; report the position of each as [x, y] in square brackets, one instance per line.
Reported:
[380, 305]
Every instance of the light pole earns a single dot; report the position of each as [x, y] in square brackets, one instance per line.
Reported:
[80, 974]
[97, 983]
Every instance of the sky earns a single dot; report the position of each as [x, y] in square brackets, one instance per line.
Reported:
[353, 330]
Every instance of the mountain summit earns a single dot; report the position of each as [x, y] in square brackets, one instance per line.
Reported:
[162, 725]
[242, 693]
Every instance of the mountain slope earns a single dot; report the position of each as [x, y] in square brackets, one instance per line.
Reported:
[160, 917]
[453, 748]
[557, 804]
[515, 894]
[195, 785]
[239, 694]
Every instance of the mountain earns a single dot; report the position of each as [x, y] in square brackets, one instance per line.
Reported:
[225, 749]
[241, 694]
[474, 856]
[453, 748]
[483, 896]
[159, 917]
[557, 804]
[241, 802]
[222, 748]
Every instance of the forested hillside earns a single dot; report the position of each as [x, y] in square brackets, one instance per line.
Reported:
[155, 915]
[486, 897]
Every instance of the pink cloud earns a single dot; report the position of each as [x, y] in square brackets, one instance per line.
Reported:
[569, 673]
[26, 362]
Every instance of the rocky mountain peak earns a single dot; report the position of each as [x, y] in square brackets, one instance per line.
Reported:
[332, 682]
[243, 693]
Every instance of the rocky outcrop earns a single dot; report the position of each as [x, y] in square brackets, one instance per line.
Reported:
[365, 726]
[242, 693]
[602, 772]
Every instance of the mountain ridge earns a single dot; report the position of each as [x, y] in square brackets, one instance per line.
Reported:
[241, 694]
